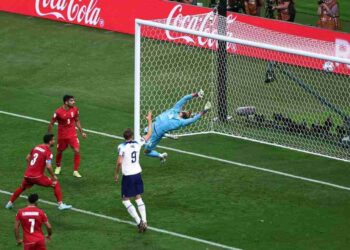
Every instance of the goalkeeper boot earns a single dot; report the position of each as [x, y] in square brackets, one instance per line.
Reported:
[57, 170]
[163, 157]
[9, 205]
[63, 206]
[76, 174]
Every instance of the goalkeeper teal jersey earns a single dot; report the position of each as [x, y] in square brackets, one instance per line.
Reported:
[170, 120]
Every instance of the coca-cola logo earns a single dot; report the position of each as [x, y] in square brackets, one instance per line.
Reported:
[202, 23]
[83, 12]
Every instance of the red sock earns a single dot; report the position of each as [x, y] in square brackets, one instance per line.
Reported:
[58, 159]
[16, 194]
[58, 193]
[76, 161]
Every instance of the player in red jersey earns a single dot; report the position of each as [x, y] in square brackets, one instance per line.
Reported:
[38, 159]
[67, 117]
[31, 218]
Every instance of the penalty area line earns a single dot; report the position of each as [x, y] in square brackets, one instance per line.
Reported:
[202, 156]
[106, 217]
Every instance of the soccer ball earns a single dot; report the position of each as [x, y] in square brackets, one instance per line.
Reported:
[328, 66]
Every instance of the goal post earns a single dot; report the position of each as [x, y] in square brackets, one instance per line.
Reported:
[137, 76]
[222, 63]
[291, 95]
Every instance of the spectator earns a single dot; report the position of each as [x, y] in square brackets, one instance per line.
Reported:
[235, 6]
[328, 11]
[253, 7]
[213, 4]
[285, 10]
[194, 2]
[189, 1]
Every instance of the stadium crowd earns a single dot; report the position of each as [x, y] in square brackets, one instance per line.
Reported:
[327, 10]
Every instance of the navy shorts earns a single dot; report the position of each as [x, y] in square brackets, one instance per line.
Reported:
[132, 185]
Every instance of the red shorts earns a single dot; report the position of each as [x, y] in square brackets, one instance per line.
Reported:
[62, 144]
[39, 245]
[41, 181]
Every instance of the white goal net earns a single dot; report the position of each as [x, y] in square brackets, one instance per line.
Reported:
[265, 86]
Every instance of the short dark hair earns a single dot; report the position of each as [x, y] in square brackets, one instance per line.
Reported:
[186, 114]
[128, 134]
[67, 97]
[32, 198]
[47, 138]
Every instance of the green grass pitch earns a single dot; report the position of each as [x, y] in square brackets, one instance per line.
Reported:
[203, 198]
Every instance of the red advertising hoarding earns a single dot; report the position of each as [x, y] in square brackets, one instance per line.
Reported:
[120, 15]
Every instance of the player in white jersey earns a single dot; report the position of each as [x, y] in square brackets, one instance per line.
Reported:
[132, 185]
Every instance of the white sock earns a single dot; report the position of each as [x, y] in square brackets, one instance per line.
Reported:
[132, 211]
[142, 209]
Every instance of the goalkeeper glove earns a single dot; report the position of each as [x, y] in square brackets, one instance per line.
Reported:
[207, 107]
[200, 93]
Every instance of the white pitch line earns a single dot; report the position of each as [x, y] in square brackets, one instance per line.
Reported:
[203, 156]
[132, 223]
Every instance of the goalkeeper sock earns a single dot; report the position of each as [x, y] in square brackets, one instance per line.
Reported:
[142, 209]
[132, 211]
[153, 153]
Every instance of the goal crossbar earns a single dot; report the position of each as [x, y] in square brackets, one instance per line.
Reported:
[162, 26]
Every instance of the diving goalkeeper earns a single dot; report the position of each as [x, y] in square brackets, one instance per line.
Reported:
[172, 119]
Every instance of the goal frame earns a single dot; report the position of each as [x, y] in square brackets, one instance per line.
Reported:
[137, 71]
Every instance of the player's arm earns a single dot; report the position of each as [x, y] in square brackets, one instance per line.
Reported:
[50, 170]
[49, 129]
[186, 98]
[48, 229]
[149, 130]
[118, 167]
[77, 122]
[28, 158]
[52, 122]
[186, 122]
[18, 239]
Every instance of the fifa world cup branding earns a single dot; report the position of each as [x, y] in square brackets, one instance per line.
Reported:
[70, 10]
[199, 23]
